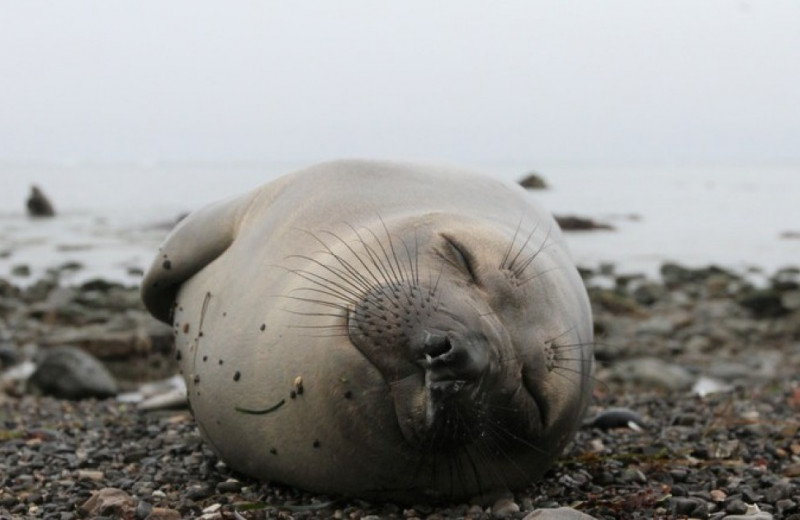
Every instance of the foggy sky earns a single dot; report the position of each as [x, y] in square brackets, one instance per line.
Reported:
[559, 80]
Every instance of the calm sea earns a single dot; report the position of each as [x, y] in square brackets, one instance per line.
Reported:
[112, 218]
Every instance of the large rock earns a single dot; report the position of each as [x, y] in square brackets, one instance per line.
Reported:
[38, 204]
[70, 373]
[574, 223]
[533, 181]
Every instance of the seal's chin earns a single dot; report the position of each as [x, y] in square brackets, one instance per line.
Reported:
[438, 415]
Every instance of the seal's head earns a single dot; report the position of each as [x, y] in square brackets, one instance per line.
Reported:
[484, 347]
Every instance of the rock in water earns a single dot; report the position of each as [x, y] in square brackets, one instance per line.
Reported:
[533, 181]
[39, 205]
[70, 373]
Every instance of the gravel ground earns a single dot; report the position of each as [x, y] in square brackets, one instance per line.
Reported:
[722, 454]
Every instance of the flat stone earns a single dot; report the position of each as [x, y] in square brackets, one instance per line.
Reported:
[70, 373]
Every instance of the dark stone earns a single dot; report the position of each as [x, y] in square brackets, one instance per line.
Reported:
[616, 418]
[574, 223]
[70, 373]
[143, 509]
[229, 487]
[38, 204]
[22, 270]
[763, 303]
[533, 181]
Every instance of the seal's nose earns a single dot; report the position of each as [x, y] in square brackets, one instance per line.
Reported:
[450, 357]
[436, 346]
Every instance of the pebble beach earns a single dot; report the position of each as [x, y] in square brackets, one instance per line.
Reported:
[694, 413]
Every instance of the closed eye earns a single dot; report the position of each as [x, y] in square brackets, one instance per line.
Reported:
[460, 256]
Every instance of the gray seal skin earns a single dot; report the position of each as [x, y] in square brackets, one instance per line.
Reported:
[385, 330]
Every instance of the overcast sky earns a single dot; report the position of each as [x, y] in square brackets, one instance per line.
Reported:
[657, 81]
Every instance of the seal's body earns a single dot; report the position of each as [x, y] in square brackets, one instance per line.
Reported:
[385, 330]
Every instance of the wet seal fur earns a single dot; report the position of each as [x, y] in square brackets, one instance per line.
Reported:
[379, 329]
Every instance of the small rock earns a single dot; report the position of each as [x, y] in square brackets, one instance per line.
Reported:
[761, 515]
[504, 507]
[143, 509]
[574, 223]
[648, 293]
[617, 418]
[763, 303]
[109, 501]
[558, 513]
[163, 513]
[790, 300]
[717, 495]
[70, 373]
[792, 470]
[85, 474]
[229, 486]
[22, 270]
[533, 181]
[777, 492]
[199, 492]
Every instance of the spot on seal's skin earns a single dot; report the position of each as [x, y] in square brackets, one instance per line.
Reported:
[440, 328]
[166, 264]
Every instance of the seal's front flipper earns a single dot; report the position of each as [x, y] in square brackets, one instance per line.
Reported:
[194, 243]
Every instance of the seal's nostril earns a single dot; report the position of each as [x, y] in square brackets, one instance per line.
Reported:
[437, 346]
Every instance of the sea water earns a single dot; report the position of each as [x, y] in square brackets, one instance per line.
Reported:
[111, 218]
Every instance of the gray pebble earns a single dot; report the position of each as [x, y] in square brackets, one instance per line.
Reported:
[559, 513]
[70, 373]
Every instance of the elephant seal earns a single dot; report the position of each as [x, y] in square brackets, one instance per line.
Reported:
[385, 330]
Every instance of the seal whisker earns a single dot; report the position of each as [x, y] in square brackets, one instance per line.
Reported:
[312, 300]
[499, 450]
[355, 288]
[323, 292]
[554, 338]
[330, 288]
[392, 248]
[416, 255]
[545, 243]
[510, 265]
[478, 444]
[567, 374]
[497, 428]
[396, 276]
[377, 281]
[575, 346]
[524, 281]
[351, 269]
[511, 243]
[375, 259]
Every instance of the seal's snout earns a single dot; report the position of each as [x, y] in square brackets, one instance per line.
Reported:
[437, 347]
[450, 357]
